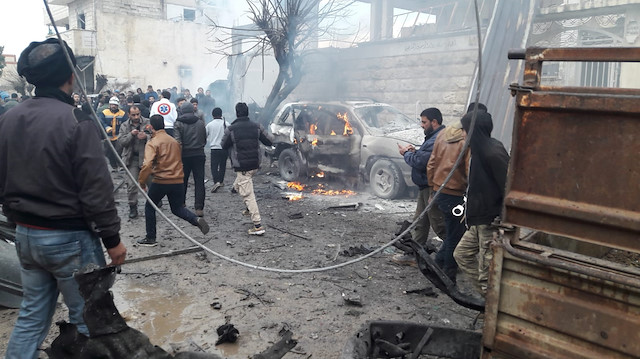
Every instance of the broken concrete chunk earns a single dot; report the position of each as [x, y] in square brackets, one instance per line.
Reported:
[353, 299]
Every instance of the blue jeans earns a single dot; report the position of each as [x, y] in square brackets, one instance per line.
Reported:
[455, 230]
[48, 259]
[175, 192]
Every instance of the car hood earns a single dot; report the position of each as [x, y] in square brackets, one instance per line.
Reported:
[413, 136]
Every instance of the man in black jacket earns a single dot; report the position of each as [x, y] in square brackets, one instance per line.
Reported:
[190, 132]
[242, 138]
[487, 180]
[58, 191]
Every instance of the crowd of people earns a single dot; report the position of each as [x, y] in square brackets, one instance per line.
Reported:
[161, 137]
[64, 212]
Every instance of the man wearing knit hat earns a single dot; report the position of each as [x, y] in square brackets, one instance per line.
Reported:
[111, 119]
[53, 187]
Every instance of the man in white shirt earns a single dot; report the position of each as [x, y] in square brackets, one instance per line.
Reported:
[167, 110]
[215, 131]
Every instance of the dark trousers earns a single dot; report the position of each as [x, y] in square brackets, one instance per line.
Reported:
[455, 230]
[175, 193]
[195, 164]
[113, 160]
[218, 165]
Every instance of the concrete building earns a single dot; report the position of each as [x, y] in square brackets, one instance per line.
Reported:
[434, 63]
[135, 43]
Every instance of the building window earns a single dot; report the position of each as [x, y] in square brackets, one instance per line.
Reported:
[81, 21]
[189, 15]
[184, 72]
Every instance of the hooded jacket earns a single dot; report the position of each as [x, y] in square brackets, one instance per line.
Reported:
[190, 132]
[242, 138]
[55, 179]
[418, 160]
[446, 150]
[488, 172]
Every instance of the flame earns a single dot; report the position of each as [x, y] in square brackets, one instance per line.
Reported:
[312, 128]
[296, 185]
[348, 130]
[332, 192]
[333, 133]
[294, 197]
[320, 174]
[314, 142]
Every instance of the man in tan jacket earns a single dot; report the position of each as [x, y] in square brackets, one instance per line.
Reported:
[446, 149]
[162, 158]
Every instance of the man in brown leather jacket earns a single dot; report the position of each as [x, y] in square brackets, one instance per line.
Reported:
[162, 158]
[446, 149]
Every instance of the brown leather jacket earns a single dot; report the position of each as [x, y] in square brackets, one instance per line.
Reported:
[446, 149]
[163, 158]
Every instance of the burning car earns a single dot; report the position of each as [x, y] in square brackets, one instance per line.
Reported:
[356, 139]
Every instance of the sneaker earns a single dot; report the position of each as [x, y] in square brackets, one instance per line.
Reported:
[245, 212]
[216, 186]
[199, 213]
[202, 224]
[404, 259]
[147, 242]
[258, 231]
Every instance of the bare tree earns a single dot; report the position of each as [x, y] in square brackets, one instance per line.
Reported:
[17, 82]
[286, 27]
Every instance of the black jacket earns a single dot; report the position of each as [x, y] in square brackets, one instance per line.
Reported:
[190, 132]
[52, 169]
[242, 138]
[487, 173]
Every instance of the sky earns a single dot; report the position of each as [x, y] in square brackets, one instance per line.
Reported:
[20, 23]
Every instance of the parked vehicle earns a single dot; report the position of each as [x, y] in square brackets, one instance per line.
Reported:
[349, 138]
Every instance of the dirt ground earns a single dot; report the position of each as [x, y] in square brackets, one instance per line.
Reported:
[170, 299]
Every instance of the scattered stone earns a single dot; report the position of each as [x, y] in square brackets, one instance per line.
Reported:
[216, 305]
[227, 333]
[352, 300]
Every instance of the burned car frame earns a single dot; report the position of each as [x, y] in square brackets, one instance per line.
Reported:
[353, 139]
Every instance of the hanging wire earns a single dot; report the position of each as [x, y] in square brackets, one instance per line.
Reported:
[282, 270]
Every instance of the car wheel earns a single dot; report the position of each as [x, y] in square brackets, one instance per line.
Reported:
[385, 179]
[290, 165]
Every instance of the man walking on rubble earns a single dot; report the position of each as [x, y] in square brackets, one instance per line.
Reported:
[192, 136]
[242, 138]
[487, 181]
[215, 131]
[53, 188]
[162, 159]
[431, 123]
[133, 137]
[112, 118]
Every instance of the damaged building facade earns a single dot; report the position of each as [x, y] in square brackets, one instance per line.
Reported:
[135, 43]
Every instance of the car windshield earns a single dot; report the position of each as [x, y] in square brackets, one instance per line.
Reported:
[384, 118]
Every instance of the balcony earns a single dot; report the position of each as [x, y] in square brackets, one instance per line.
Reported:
[60, 15]
[82, 42]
